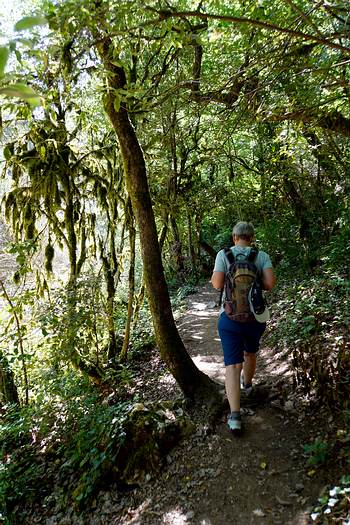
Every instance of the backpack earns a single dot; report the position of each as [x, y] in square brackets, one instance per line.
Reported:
[241, 282]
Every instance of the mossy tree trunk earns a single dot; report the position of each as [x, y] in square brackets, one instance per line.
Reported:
[8, 389]
[191, 251]
[131, 281]
[109, 271]
[178, 258]
[7, 381]
[194, 383]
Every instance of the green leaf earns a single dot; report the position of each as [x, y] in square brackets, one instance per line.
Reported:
[7, 153]
[18, 90]
[18, 56]
[4, 54]
[117, 102]
[25, 42]
[30, 21]
[21, 91]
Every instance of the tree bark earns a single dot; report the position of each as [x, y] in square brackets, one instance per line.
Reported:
[131, 280]
[194, 383]
[8, 376]
[8, 389]
[177, 248]
[208, 249]
[191, 250]
[109, 272]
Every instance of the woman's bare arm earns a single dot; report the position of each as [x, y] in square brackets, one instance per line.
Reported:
[218, 279]
[268, 278]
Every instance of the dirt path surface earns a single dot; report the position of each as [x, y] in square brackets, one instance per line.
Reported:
[214, 478]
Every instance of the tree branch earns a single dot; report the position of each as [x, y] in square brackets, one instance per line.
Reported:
[164, 15]
[331, 121]
[303, 16]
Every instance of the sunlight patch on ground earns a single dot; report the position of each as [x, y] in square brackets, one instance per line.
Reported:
[176, 517]
[274, 365]
[168, 379]
[199, 306]
[214, 369]
[211, 359]
[202, 315]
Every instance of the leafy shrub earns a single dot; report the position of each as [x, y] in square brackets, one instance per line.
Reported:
[68, 435]
[80, 441]
[178, 299]
[337, 253]
[184, 291]
[313, 319]
[142, 337]
[281, 240]
[70, 322]
[19, 466]
[224, 238]
[317, 452]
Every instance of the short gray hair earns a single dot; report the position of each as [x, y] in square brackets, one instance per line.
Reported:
[244, 230]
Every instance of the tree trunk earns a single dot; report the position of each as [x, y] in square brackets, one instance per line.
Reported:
[8, 389]
[191, 250]
[139, 303]
[194, 383]
[177, 248]
[109, 271]
[132, 239]
[8, 376]
[208, 249]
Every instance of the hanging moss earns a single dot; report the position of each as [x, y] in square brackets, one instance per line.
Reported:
[46, 287]
[9, 150]
[16, 277]
[16, 173]
[15, 219]
[29, 231]
[9, 203]
[57, 196]
[28, 214]
[47, 202]
[67, 56]
[49, 255]
[38, 283]
[102, 196]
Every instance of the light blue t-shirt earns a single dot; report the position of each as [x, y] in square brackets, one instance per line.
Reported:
[222, 264]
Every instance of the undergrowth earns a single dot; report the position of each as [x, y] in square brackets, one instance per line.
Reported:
[310, 323]
[311, 317]
[65, 437]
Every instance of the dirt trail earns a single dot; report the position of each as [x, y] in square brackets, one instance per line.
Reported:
[214, 478]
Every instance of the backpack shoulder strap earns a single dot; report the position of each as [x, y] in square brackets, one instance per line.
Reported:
[253, 254]
[229, 256]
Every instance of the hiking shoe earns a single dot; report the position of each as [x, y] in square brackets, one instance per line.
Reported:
[247, 390]
[234, 423]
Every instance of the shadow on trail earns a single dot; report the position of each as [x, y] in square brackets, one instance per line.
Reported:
[259, 477]
[198, 329]
[215, 478]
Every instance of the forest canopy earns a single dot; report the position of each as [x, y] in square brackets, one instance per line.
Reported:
[134, 136]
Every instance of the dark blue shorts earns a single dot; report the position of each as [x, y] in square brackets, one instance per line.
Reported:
[237, 338]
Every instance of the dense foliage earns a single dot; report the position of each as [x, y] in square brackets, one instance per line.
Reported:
[238, 111]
